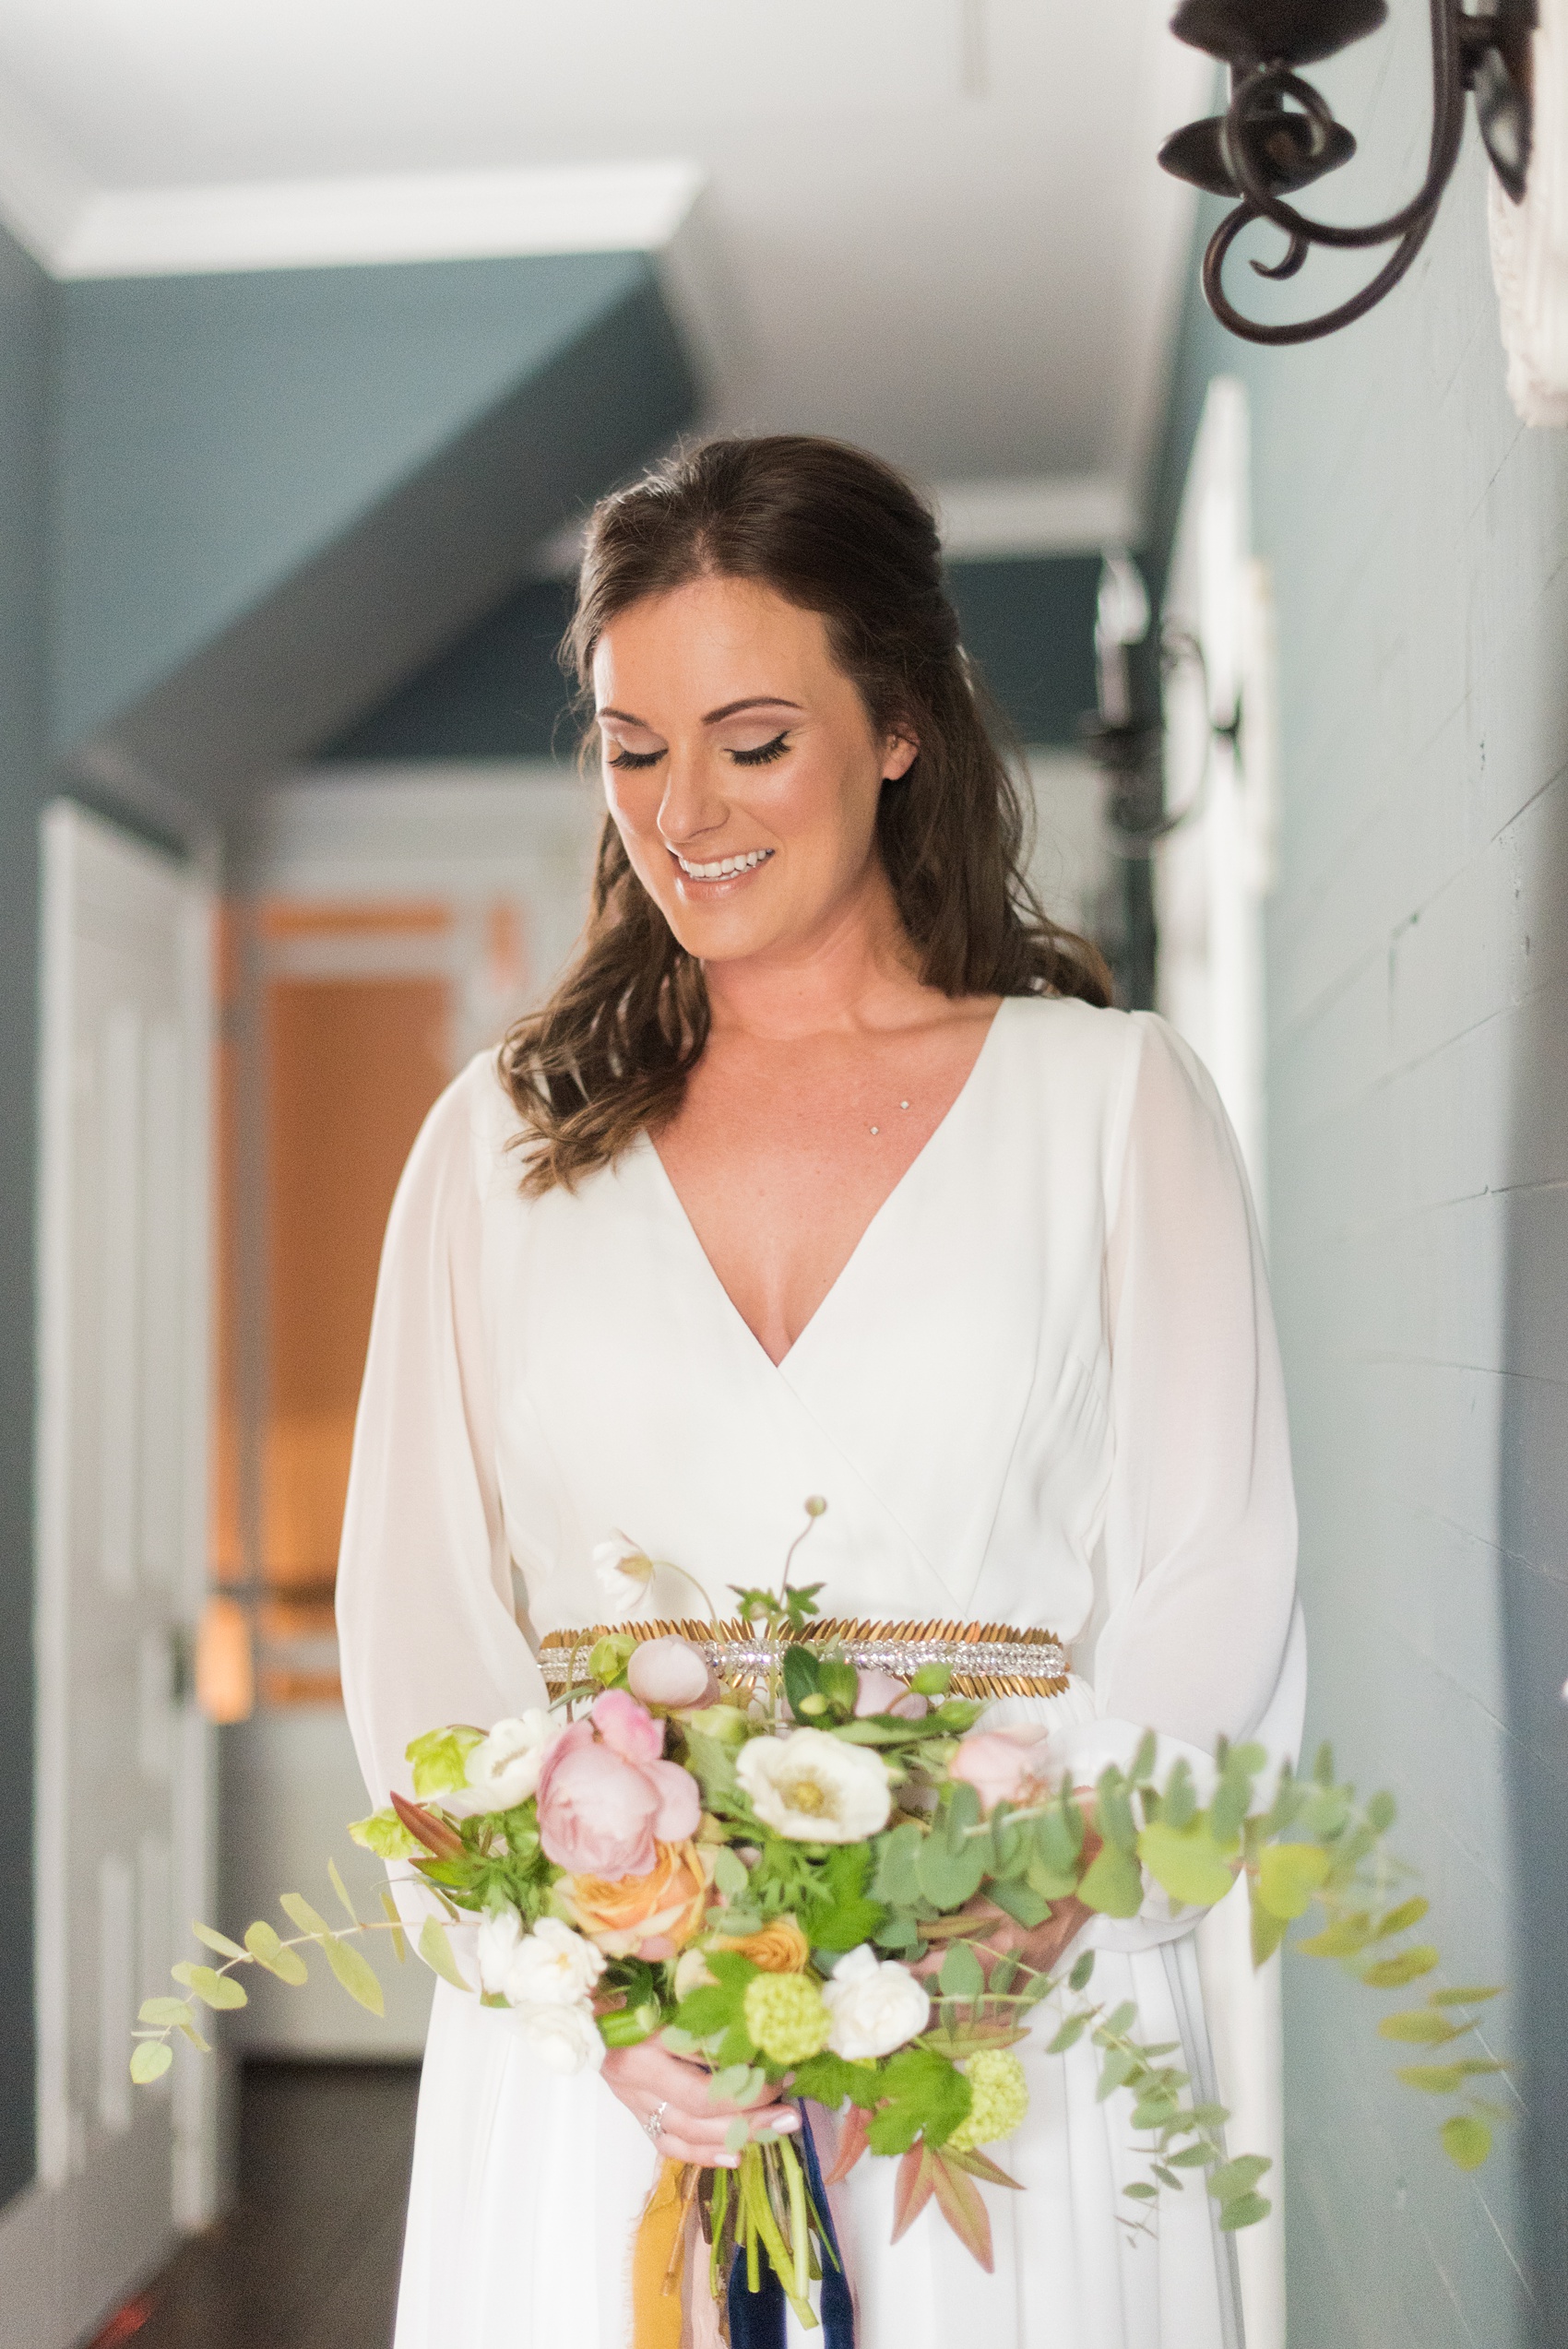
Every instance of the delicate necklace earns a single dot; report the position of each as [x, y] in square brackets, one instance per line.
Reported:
[903, 1105]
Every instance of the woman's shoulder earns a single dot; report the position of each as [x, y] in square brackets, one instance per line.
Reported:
[469, 1131]
[1084, 1063]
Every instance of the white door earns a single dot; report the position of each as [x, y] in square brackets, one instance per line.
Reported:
[124, 1760]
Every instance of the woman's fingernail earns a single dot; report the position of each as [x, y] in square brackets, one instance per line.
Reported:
[784, 2122]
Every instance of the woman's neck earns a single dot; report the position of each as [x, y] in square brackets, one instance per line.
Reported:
[859, 972]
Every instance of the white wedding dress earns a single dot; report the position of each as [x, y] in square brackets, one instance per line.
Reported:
[1044, 1390]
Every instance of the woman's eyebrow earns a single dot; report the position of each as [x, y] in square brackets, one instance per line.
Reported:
[754, 701]
[731, 710]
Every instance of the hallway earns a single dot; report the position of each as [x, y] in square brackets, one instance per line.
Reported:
[308, 2254]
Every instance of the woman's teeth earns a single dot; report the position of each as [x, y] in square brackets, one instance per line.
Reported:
[726, 865]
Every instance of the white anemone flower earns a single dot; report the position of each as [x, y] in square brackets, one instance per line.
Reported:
[814, 1788]
[551, 1966]
[876, 2005]
[503, 1770]
[496, 1945]
[567, 2040]
[554, 1966]
[622, 1571]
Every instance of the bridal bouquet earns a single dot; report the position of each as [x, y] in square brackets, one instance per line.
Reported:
[796, 1879]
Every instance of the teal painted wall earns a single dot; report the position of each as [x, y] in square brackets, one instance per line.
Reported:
[216, 433]
[1417, 1072]
[280, 493]
[25, 340]
[498, 693]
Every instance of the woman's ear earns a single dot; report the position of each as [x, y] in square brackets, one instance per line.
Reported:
[899, 754]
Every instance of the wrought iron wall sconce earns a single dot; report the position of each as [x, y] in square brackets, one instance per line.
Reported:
[1279, 133]
[1128, 750]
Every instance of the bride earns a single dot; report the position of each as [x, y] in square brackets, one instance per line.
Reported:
[826, 1169]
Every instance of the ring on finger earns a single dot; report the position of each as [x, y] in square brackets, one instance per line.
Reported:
[653, 2122]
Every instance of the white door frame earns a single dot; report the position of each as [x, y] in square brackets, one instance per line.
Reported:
[88, 863]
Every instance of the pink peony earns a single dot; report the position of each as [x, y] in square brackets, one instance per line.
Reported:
[669, 1672]
[626, 1727]
[884, 1693]
[1003, 1766]
[601, 1814]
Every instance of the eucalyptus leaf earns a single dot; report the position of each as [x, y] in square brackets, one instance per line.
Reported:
[962, 1976]
[305, 1917]
[1239, 2177]
[217, 1991]
[728, 1872]
[1113, 1812]
[170, 2014]
[1342, 1937]
[1179, 1805]
[1114, 2072]
[1391, 1973]
[1472, 1997]
[1422, 2025]
[1183, 1859]
[210, 1936]
[1247, 2210]
[269, 1951]
[1289, 1875]
[150, 2058]
[356, 1975]
[948, 1877]
[343, 1891]
[436, 1951]
[1113, 1883]
[399, 1941]
[1467, 2141]
[1082, 1967]
[1400, 1919]
[1072, 2030]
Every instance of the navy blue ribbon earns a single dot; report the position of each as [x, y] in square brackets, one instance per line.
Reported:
[756, 2319]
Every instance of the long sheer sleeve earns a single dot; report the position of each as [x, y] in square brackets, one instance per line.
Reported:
[426, 1625]
[1194, 1634]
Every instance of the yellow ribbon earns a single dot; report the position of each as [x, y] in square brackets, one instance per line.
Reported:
[657, 2261]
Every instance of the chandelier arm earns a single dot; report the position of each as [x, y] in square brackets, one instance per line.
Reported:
[1447, 135]
[1303, 329]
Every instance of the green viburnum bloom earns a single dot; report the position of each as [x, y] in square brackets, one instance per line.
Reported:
[1001, 2094]
[786, 2017]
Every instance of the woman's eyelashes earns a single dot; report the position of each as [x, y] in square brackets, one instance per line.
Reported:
[764, 754]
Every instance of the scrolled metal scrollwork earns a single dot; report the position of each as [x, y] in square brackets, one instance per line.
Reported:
[1278, 135]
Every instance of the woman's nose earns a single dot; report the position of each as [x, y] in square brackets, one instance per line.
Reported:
[691, 806]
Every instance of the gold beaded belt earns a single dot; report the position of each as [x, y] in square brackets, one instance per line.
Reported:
[985, 1659]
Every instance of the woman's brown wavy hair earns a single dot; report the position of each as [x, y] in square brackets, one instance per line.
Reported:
[838, 532]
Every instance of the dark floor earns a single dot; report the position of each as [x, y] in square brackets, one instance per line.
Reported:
[307, 2258]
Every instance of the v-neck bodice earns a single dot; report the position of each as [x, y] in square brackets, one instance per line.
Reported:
[961, 1343]
[961, 1108]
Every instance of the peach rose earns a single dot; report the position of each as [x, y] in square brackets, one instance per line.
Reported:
[648, 1916]
[780, 1948]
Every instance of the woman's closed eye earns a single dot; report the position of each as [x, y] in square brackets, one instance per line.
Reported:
[624, 757]
[764, 752]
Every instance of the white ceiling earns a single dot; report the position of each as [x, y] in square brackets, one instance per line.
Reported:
[935, 226]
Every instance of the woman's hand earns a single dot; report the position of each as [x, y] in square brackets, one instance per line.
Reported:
[648, 2076]
[1037, 1946]
[999, 1936]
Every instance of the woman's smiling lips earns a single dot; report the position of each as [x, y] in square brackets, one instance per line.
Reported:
[721, 868]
